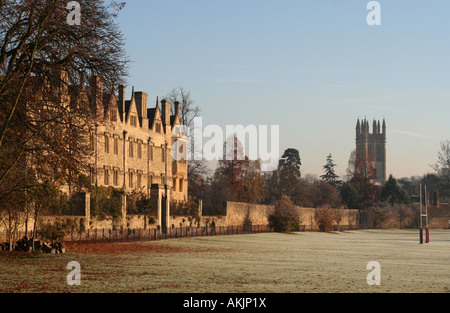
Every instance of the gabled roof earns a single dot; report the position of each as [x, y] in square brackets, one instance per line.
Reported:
[175, 119]
[111, 103]
[80, 92]
[152, 115]
[130, 106]
[110, 100]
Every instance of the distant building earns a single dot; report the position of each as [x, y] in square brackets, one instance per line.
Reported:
[373, 146]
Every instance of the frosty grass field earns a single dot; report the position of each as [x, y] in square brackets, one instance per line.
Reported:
[258, 263]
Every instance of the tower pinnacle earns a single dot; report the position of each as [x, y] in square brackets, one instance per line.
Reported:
[371, 147]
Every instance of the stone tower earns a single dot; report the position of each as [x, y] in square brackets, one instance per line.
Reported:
[373, 145]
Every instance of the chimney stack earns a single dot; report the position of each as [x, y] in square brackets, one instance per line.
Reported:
[165, 109]
[436, 201]
[96, 85]
[177, 109]
[141, 104]
[122, 101]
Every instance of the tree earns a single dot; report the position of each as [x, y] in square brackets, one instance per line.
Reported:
[379, 213]
[328, 195]
[230, 171]
[286, 179]
[402, 213]
[284, 217]
[330, 175]
[391, 192]
[409, 184]
[197, 187]
[362, 177]
[188, 109]
[351, 167]
[350, 196]
[320, 193]
[43, 61]
[442, 166]
[197, 169]
[434, 182]
[365, 181]
[290, 161]
[236, 178]
[325, 218]
[253, 185]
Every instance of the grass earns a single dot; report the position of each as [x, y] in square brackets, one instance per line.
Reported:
[259, 263]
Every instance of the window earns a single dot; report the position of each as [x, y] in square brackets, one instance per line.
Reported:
[116, 178]
[131, 152]
[379, 153]
[106, 177]
[181, 184]
[139, 150]
[139, 180]
[116, 146]
[130, 182]
[106, 144]
[92, 174]
[174, 184]
[133, 120]
[92, 142]
[158, 128]
[150, 152]
[163, 157]
[113, 115]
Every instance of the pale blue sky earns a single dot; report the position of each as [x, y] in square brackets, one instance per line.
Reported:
[313, 67]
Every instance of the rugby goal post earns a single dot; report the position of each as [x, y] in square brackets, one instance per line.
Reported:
[424, 215]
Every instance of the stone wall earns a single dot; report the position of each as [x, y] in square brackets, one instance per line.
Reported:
[438, 215]
[236, 214]
[258, 214]
[439, 223]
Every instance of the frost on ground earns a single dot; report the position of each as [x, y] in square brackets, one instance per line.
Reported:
[258, 263]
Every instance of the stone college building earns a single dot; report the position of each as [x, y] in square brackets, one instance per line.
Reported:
[132, 148]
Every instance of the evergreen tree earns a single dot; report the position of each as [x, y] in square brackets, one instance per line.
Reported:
[330, 175]
[286, 179]
[290, 160]
[350, 196]
[393, 193]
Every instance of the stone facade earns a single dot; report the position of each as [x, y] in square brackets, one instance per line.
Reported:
[131, 147]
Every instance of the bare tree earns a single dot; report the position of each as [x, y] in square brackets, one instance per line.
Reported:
[403, 213]
[380, 214]
[188, 109]
[188, 112]
[44, 62]
[442, 166]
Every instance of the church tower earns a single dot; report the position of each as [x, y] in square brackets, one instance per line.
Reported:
[373, 145]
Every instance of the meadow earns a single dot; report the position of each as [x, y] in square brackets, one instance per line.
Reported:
[306, 262]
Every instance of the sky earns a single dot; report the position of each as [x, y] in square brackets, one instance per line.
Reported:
[312, 67]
